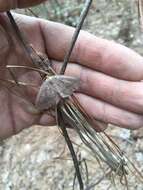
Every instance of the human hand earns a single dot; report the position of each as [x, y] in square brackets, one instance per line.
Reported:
[110, 74]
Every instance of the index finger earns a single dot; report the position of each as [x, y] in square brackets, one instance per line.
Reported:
[96, 53]
[6, 5]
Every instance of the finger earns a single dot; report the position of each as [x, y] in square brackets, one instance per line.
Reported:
[103, 55]
[96, 53]
[110, 114]
[6, 5]
[99, 125]
[124, 94]
[47, 120]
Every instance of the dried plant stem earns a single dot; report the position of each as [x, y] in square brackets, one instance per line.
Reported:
[18, 33]
[75, 36]
[30, 52]
[70, 146]
[140, 13]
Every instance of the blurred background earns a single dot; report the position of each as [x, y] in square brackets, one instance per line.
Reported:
[37, 158]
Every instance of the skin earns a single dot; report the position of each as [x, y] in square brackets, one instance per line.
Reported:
[111, 75]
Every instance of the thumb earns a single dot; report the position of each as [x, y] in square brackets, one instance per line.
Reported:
[6, 5]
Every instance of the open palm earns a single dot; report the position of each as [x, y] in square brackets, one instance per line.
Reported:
[110, 75]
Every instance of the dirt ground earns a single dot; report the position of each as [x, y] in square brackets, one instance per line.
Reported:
[37, 158]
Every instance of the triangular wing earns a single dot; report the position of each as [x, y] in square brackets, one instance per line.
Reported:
[65, 85]
[53, 89]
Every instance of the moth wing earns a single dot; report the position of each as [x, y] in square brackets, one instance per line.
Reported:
[53, 89]
[65, 85]
[47, 96]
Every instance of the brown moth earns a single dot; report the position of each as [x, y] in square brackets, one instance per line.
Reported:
[55, 88]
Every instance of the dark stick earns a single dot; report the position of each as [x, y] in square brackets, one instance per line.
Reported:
[32, 12]
[60, 121]
[27, 48]
[75, 36]
[19, 35]
[38, 61]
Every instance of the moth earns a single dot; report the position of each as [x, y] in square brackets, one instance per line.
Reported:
[55, 88]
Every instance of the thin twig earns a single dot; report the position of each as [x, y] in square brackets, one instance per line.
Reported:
[31, 53]
[60, 121]
[18, 33]
[140, 13]
[75, 36]
[32, 12]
